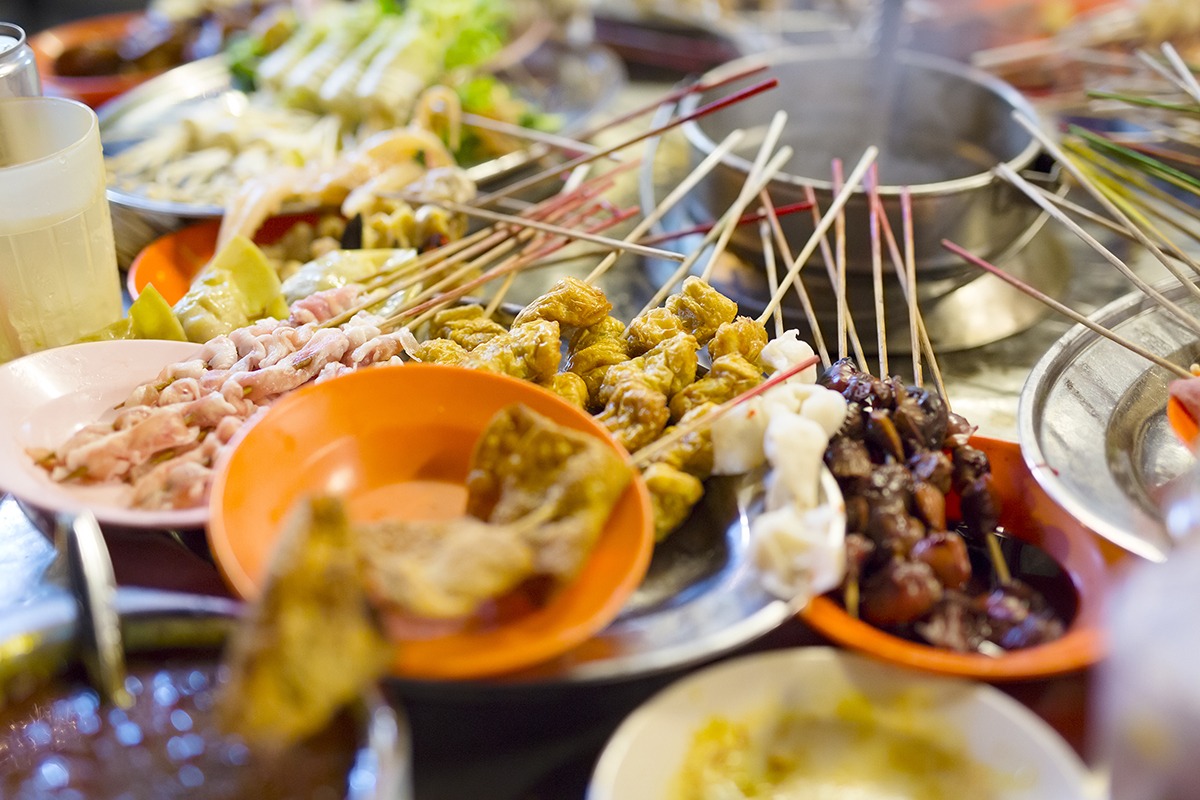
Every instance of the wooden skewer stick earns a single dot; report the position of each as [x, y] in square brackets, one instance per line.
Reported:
[482, 240]
[768, 251]
[558, 210]
[839, 296]
[910, 270]
[1185, 74]
[491, 241]
[1122, 191]
[785, 250]
[1102, 198]
[416, 314]
[686, 267]
[558, 230]
[1020, 285]
[679, 233]
[384, 285]
[1093, 217]
[704, 227]
[672, 199]
[839, 251]
[835, 207]
[742, 202]
[1187, 319]
[877, 283]
[997, 557]
[533, 135]
[671, 97]
[523, 238]
[1154, 64]
[558, 169]
[655, 449]
[901, 275]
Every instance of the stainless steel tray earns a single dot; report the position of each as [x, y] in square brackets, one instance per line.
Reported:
[1092, 421]
[575, 83]
[701, 599]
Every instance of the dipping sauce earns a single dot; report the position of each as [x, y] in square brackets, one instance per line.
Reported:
[63, 743]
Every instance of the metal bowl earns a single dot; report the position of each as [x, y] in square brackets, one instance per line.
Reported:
[941, 127]
[38, 643]
[574, 83]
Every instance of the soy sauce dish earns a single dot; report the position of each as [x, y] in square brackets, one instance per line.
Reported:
[58, 739]
[820, 723]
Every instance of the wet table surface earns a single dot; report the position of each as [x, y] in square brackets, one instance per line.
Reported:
[542, 743]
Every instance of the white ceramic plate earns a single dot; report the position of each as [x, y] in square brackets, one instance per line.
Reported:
[47, 396]
[1023, 757]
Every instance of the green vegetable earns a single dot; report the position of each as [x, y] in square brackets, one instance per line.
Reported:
[238, 287]
[340, 267]
[150, 317]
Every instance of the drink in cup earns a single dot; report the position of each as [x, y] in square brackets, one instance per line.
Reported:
[58, 263]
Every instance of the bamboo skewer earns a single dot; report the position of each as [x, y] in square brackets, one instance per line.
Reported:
[679, 233]
[835, 207]
[1138, 180]
[757, 170]
[846, 326]
[768, 250]
[1071, 314]
[877, 282]
[1100, 197]
[425, 308]
[558, 230]
[1093, 217]
[521, 132]
[686, 267]
[910, 270]
[1008, 174]
[785, 250]
[1154, 64]
[671, 97]
[705, 227]
[430, 299]
[673, 197]
[1185, 74]
[902, 276]
[558, 169]
[655, 449]
[839, 263]
[490, 241]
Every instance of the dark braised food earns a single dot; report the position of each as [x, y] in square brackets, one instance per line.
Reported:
[62, 742]
[902, 458]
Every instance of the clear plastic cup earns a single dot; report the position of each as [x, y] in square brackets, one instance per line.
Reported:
[58, 263]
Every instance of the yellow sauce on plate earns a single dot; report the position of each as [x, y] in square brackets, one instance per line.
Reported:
[865, 751]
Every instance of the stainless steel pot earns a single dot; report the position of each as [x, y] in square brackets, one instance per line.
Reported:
[38, 643]
[941, 127]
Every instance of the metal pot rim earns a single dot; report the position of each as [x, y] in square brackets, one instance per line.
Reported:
[698, 139]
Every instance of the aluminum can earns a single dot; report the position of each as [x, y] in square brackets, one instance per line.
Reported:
[18, 67]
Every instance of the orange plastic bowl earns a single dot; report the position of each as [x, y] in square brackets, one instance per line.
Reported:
[1183, 423]
[1031, 515]
[48, 45]
[396, 442]
[170, 262]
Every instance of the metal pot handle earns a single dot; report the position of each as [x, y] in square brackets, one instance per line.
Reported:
[91, 579]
